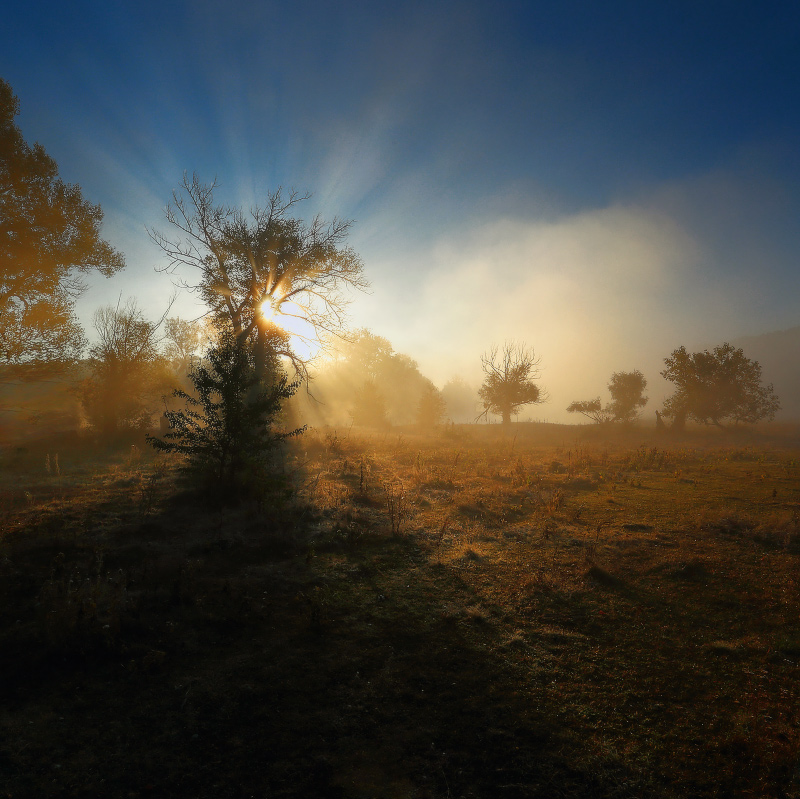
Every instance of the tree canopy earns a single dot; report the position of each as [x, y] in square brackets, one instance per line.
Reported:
[367, 382]
[592, 409]
[253, 269]
[627, 395]
[49, 237]
[432, 408]
[718, 386]
[509, 385]
[183, 339]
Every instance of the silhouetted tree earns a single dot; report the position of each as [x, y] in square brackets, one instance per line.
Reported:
[49, 235]
[128, 374]
[627, 395]
[227, 430]
[509, 381]
[626, 398]
[251, 266]
[592, 409]
[712, 387]
[432, 409]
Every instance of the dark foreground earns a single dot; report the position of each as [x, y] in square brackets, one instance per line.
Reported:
[447, 616]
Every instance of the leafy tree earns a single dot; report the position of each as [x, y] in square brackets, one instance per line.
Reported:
[432, 409]
[509, 385]
[369, 406]
[227, 431]
[367, 355]
[627, 395]
[626, 390]
[49, 236]
[461, 400]
[183, 339]
[128, 374]
[592, 409]
[339, 387]
[255, 269]
[712, 387]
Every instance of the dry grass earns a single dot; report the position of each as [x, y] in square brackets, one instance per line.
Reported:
[555, 614]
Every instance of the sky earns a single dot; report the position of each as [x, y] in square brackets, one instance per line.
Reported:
[603, 181]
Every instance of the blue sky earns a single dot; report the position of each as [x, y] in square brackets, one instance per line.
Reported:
[606, 181]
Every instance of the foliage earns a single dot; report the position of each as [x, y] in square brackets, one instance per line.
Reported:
[340, 387]
[626, 390]
[227, 428]
[712, 387]
[369, 406]
[592, 409]
[183, 339]
[244, 261]
[48, 235]
[509, 381]
[461, 400]
[128, 372]
[368, 355]
[432, 409]
[627, 395]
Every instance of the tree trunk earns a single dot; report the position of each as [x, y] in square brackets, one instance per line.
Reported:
[679, 421]
[506, 419]
[260, 354]
[259, 363]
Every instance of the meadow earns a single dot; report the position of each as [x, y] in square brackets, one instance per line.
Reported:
[559, 612]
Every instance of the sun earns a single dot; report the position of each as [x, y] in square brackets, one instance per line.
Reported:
[268, 310]
[292, 319]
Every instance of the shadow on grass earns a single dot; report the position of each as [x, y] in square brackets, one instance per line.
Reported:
[216, 655]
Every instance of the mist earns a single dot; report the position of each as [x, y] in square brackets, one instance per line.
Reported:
[335, 456]
[693, 263]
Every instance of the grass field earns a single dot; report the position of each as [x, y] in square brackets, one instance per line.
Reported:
[548, 614]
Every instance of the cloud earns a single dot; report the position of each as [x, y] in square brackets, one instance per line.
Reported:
[593, 293]
[693, 262]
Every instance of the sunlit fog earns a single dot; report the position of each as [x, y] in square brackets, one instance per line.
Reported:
[399, 400]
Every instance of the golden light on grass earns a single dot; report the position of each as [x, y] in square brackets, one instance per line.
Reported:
[459, 541]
